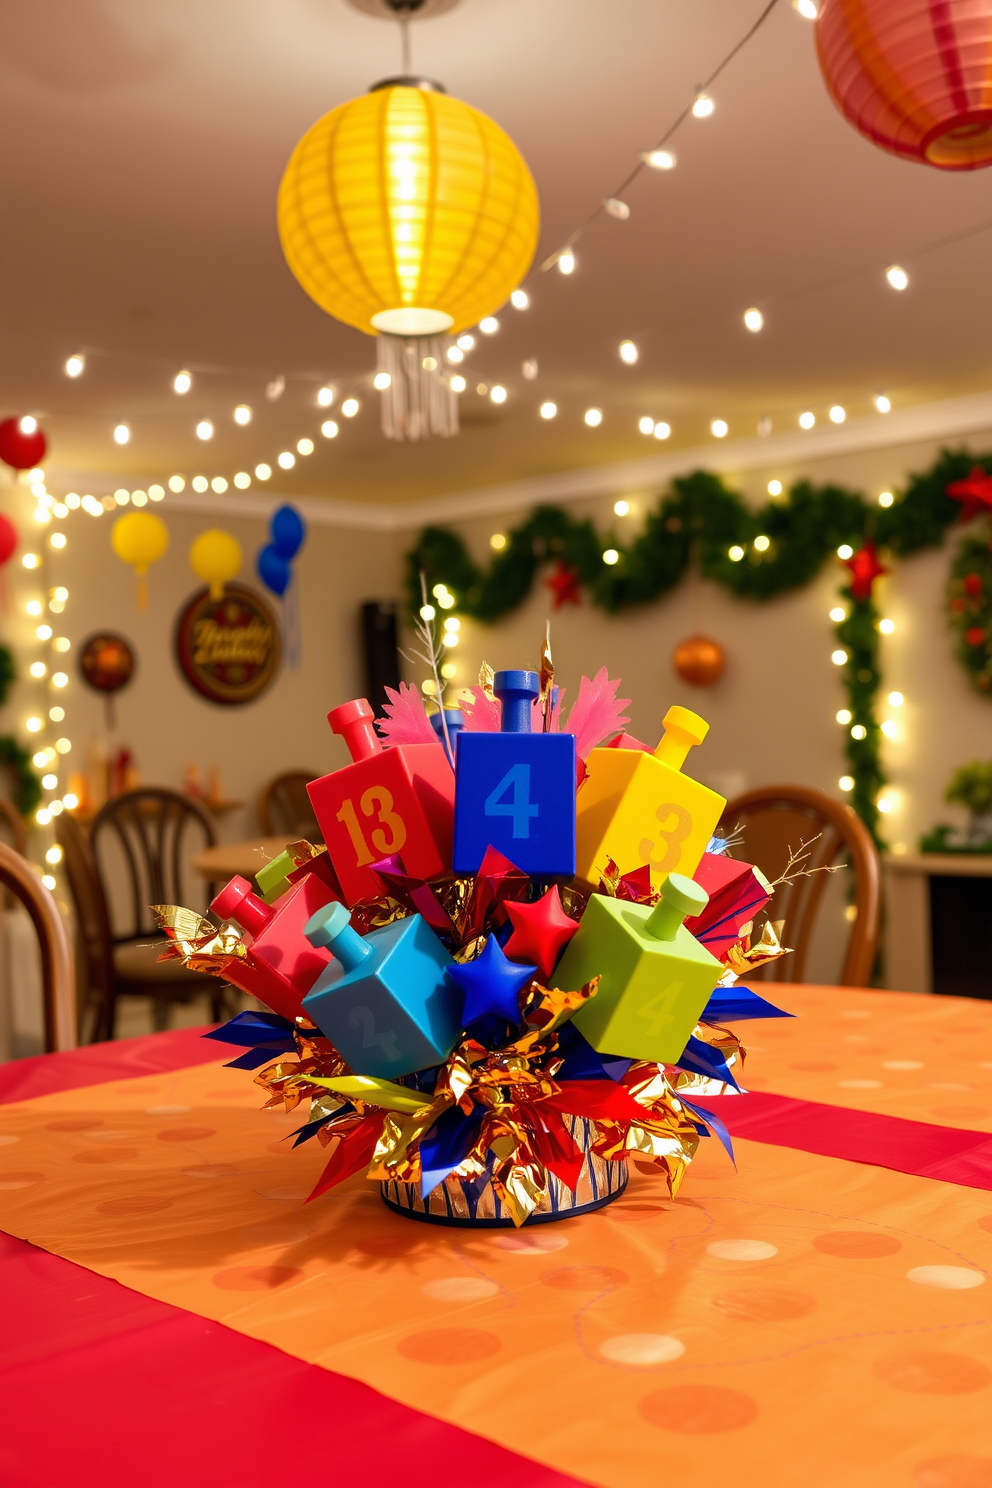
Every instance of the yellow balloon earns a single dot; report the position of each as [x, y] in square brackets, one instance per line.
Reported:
[140, 538]
[408, 212]
[215, 557]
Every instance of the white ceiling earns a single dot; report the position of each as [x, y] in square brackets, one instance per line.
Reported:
[143, 146]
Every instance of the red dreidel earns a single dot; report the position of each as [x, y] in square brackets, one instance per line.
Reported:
[282, 965]
[389, 802]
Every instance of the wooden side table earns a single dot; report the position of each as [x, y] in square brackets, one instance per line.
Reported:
[937, 923]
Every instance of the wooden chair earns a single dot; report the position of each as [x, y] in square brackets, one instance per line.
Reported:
[772, 822]
[57, 979]
[138, 854]
[284, 807]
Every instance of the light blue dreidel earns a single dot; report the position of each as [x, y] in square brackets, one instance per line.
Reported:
[385, 1002]
[515, 790]
[655, 977]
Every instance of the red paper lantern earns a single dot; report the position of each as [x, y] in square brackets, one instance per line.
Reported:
[913, 76]
[19, 447]
[8, 539]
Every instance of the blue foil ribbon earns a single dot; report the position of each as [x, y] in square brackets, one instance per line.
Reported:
[583, 1062]
[263, 1035]
[705, 1119]
[735, 1004]
[702, 1059]
[449, 1142]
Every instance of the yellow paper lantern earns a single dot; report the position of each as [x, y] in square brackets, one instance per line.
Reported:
[215, 557]
[140, 538]
[408, 212]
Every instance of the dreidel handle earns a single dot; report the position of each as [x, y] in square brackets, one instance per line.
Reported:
[353, 721]
[680, 897]
[516, 691]
[330, 929]
[237, 902]
[683, 729]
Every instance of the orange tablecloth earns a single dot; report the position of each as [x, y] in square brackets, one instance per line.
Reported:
[804, 1320]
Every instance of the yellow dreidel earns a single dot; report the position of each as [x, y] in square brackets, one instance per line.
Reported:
[639, 808]
[655, 977]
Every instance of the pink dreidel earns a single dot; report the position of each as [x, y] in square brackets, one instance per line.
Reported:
[282, 965]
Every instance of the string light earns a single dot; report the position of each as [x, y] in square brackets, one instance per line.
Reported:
[807, 420]
[662, 430]
[242, 480]
[890, 729]
[263, 471]
[762, 544]
[859, 731]
[29, 425]
[846, 782]
[897, 277]
[497, 542]
[611, 556]
[218, 484]
[204, 429]
[465, 342]
[329, 429]
[837, 614]
[182, 382]
[838, 657]
[498, 393]
[808, 9]
[882, 403]
[719, 428]
[305, 446]
[896, 699]
[885, 498]
[845, 551]
[122, 434]
[287, 460]
[200, 484]
[844, 716]
[453, 353]
[34, 725]
[774, 488]
[519, 299]
[242, 414]
[753, 319]
[593, 417]
[621, 508]
[325, 396]
[57, 540]
[735, 554]
[350, 407]
[886, 626]
[75, 365]
[458, 383]
[382, 380]
[646, 424]
[659, 159]
[566, 262]
[489, 325]
[837, 414]
[30, 560]
[703, 106]
[628, 352]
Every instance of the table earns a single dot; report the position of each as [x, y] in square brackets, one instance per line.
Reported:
[814, 1317]
[949, 891]
[228, 859]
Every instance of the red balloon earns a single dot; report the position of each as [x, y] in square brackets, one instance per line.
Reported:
[19, 450]
[913, 76]
[8, 539]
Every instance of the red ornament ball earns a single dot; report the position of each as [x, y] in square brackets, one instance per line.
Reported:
[973, 584]
[699, 660]
[8, 539]
[19, 447]
[975, 636]
[912, 76]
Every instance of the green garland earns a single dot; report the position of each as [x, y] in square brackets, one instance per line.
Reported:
[969, 604]
[27, 786]
[701, 519]
[7, 672]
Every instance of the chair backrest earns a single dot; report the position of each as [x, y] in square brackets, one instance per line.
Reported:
[92, 917]
[284, 807]
[142, 843]
[57, 978]
[773, 822]
[12, 828]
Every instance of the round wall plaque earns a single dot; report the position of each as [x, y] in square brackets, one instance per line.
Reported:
[106, 662]
[228, 648]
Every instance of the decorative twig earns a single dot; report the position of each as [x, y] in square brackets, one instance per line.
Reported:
[430, 655]
[795, 858]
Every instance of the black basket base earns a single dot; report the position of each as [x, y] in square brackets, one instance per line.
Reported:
[539, 1217]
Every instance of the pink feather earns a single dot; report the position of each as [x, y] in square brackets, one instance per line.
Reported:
[481, 714]
[597, 713]
[406, 720]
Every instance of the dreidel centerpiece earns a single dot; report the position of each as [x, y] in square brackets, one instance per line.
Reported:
[515, 790]
[386, 801]
[385, 1000]
[637, 808]
[655, 978]
[282, 964]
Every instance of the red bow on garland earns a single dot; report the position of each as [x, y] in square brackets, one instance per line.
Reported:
[865, 569]
[564, 585]
[975, 492]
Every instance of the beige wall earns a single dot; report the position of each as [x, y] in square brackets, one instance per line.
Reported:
[772, 714]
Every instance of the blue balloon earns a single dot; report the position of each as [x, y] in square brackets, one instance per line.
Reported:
[287, 531]
[273, 570]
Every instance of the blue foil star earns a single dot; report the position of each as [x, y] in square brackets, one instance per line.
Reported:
[492, 984]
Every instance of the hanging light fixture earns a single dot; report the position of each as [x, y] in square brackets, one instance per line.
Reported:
[913, 76]
[409, 215]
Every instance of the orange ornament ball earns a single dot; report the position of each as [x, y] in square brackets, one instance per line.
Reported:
[699, 660]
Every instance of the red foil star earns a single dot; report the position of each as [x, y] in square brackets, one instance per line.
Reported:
[865, 569]
[975, 492]
[564, 585]
[540, 932]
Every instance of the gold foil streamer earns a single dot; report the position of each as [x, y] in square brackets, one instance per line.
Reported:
[486, 678]
[196, 942]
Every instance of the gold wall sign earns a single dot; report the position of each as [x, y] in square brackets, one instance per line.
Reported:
[228, 649]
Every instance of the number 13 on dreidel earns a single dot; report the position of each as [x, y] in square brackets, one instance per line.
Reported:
[516, 790]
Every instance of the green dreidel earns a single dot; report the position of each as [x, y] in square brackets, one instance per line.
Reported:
[655, 977]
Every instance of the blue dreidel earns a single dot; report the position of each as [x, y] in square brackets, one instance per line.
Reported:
[516, 790]
[385, 1001]
[455, 721]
